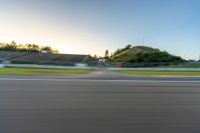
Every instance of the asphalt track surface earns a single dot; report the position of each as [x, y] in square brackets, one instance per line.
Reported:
[102, 102]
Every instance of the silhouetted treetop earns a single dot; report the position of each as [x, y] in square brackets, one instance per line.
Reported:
[13, 46]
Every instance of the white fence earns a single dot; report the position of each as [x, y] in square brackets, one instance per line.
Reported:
[43, 66]
[155, 69]
[86, 67]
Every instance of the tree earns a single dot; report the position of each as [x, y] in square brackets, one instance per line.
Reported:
[107, 54]
[128, 46]
[35, 48]
[10, 47]
[48, 49]
[55, 52]
[14, 43]
[95, 57]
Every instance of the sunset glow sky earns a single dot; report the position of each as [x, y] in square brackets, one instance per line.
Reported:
[92, 26]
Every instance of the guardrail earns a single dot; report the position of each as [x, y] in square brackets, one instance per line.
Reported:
[89, 68]
[155, 69]
[43, 66]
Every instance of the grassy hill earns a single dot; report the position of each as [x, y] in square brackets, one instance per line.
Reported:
[143, 54]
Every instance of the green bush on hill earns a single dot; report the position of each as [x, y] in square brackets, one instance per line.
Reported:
[143, 54]
[155, 57]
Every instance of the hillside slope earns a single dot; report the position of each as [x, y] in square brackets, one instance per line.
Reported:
[143, 54]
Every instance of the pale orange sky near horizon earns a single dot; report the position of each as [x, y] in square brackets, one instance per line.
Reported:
[32, 27]
[69, 41]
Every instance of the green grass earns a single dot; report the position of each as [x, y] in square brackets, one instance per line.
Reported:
[40, 72]
[160, 73]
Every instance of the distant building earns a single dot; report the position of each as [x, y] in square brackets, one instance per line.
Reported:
[44, 52]
[102, 60]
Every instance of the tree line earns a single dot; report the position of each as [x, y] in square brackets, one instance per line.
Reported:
[13, 46]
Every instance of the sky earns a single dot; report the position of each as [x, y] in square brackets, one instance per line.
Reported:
[92, 26]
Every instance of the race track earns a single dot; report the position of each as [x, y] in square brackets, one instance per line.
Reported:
[102, 102]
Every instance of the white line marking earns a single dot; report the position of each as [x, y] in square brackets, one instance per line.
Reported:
[94, 80]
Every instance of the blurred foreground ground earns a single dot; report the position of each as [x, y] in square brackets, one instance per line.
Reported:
[102, 102]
